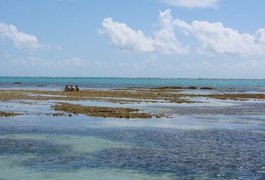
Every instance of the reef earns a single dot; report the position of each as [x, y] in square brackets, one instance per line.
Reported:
[8, 114]
[101, 111]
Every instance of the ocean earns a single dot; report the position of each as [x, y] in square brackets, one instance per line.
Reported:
[58, 83]
[209, 139]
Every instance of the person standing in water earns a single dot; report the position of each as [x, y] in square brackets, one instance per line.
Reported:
[72, 88]
[77, 88]
[67, 88]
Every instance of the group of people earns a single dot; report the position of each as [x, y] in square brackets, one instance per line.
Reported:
[71, 88]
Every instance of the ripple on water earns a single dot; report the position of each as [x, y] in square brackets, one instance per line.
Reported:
[182, 153]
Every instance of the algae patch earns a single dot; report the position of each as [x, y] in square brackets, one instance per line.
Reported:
[8, 114]
[101, 111]
[241, 97]
[124, 96]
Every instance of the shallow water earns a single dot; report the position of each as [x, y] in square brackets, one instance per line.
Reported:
[213, 139]
[41, 147]
[142, 153]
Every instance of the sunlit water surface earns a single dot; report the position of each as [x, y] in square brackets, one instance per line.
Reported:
[223, 139]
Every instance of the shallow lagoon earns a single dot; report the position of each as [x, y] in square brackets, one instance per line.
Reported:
[209, 140]
[129, 153]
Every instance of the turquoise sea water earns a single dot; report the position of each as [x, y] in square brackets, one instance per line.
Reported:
[212, 139]
[100, 82]
[38, 147]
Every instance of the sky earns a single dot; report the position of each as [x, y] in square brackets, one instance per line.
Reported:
[133, 38]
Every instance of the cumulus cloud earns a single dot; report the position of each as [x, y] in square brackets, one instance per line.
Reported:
[20, 39]
[214, 37]
[261, 35]
[165, 39]
[162, 41]
[193, 3]
[125, 37]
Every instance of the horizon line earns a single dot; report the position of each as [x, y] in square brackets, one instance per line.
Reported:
[116, 77]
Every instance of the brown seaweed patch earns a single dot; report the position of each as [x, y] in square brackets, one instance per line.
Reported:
[241, 97]
[8, 114]
[101, 111]
[116, 96]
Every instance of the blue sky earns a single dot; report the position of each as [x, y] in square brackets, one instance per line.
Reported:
[133, 38]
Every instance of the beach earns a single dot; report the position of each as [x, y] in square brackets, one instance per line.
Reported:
[167, 132]
[132, 90]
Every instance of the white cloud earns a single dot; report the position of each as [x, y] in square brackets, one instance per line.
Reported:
[20, 39]
[124, 37]
[163, 41]
[193, 3]
[215, 38]
[261, 35]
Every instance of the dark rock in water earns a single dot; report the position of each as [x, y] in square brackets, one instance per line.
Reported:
[169, 87]
[175, 87]
[17, 83]
[207, 88]
[191, 87]
[58, 114]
